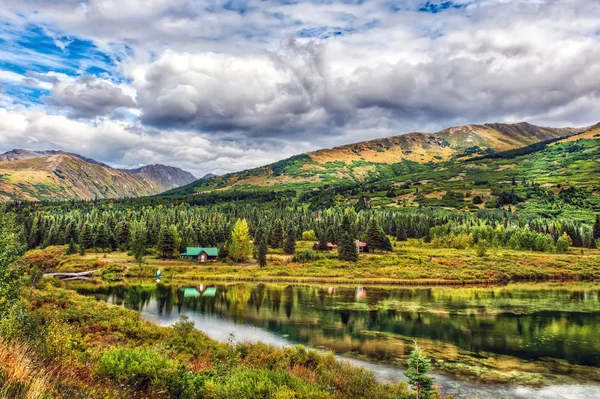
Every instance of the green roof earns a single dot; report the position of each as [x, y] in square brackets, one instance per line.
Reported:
[195, 251]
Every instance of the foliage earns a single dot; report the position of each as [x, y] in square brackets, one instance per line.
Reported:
[139, 367]
[347, 249]
[137, 242]
[418, 366]
[290, 242]
[240, 248]
[10, 271]
[309, 235]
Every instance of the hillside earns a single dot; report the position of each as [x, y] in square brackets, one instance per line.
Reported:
[45, 175]
[167, 177]
[386, 157]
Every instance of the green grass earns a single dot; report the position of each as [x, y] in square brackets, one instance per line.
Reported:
[412, 262]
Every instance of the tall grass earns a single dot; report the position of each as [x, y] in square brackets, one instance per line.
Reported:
[21, 377]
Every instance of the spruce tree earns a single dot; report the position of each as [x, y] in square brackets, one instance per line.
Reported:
[86, 239]
[597, 228]
[386, 244]
[101, 236]
[240, 248]
[418, 366]
[276, 238]
[262, 251]
[72, 248]
[347, 248]
[166, 242]
[400, 232]
[374, 234]
[289, 246]
[123, 235]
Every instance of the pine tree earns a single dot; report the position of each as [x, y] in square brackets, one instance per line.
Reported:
[418, 366]
[386, 244]
[137, 240]
[597, 228]
[400, 232]
[101, 236]
[289, 246]
[240, 248]
[166, 242]
[347, 249]
[86, 239]
[123, 235]
[276, 238]
[374, 234]
[262, 251]
[72, 248]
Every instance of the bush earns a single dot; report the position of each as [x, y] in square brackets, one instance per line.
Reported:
[309, 235]
[563, 243]
[185, 384]
[138, 367]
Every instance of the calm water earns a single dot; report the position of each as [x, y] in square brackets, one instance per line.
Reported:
[376, 325]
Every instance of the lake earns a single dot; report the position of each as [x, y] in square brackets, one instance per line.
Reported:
[537, 335]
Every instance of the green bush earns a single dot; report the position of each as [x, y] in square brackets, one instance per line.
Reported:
[138, 367]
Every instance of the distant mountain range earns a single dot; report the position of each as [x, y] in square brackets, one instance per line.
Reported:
[47, 175]
[382, 158]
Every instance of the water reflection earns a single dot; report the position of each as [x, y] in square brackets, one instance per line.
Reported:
[380, 322]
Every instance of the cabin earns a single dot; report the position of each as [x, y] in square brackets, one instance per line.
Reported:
[330, 246]
[361, 246]
[201, 255]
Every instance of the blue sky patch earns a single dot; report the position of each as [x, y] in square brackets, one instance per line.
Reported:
[435, 8]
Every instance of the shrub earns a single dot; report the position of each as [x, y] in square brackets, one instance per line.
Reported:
[309, 235]
[563, 242]
[482, 247]
[138, 367]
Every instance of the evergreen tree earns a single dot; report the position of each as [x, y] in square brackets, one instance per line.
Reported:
[374, 234]
[166, 242]
[102, 236]
[276, 238]
[86, 239]
[262, 251]
[400, 232]
[240, 248]
[137, 240]
[347, 249]
[597, 228]
[386, 244]
[289, 246]
[418, 366]
[123, 235]
[72, 248]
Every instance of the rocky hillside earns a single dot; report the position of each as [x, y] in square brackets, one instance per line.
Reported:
[46, 175]
[385, 157]
[167, 177]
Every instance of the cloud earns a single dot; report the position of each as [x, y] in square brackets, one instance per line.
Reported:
[88, 97]
[128, 145]
[258, 80]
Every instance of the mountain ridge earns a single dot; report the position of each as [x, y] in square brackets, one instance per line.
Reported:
[55, 174]
[372, 158]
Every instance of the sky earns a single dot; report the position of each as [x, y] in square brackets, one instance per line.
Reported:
[226, 85]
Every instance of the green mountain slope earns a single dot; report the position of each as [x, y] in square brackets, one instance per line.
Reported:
[384, 158]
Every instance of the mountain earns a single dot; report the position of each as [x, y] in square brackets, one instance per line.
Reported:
[48, 175]
[386, 157]
[168, 177]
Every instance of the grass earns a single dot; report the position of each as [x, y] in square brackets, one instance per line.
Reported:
[412, 262]
[90, 349]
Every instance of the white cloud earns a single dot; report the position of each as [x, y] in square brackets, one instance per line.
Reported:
[206, 75]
